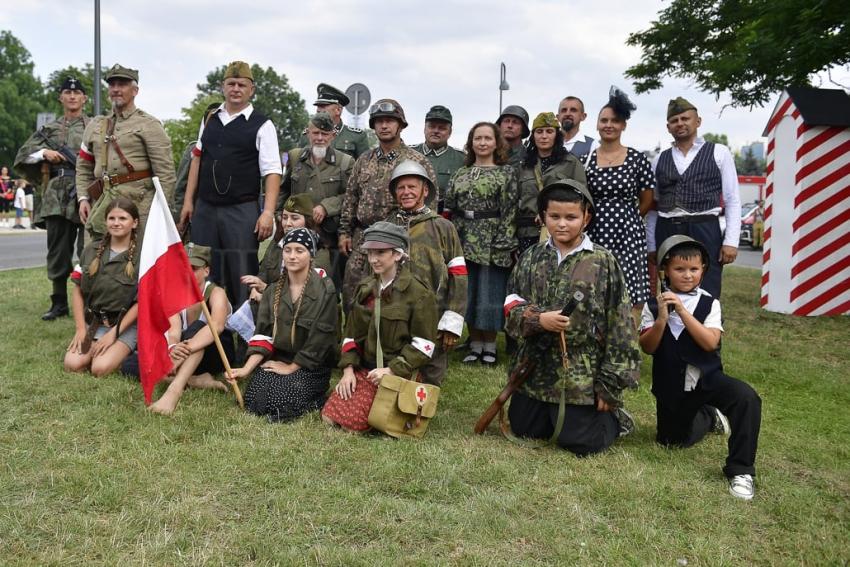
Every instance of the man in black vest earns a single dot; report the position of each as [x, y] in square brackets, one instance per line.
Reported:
[236, 153]
[695, 180]
[570, 115]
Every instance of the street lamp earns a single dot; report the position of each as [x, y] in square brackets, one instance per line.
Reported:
[503, 85]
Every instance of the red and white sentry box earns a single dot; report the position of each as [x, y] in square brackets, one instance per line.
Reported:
[806, 265]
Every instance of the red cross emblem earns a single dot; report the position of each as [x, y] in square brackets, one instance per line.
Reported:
[428, 348]
[421, 395]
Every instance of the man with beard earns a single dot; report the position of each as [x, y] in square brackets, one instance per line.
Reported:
[323, 172]
[570, 115]
[121, 152]
[352, 141]
[367, 197]
[513, 122]
[445, 159]
[53, 151]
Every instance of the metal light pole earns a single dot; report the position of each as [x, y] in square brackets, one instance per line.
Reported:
[503, 85]
[96, 79]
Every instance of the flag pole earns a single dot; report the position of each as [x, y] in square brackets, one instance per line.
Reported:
[223, 356]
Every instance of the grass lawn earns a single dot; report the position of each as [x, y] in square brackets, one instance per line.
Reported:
[89, 476]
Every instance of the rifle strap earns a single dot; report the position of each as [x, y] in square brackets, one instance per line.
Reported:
[538, 177]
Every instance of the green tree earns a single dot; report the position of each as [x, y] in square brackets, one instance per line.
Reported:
[274, 98]
[183, 131]
[86, 77]
[21, 96]
[746, 163]
[748, 49]
[717, 139]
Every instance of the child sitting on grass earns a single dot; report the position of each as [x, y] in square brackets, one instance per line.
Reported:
[681, 329]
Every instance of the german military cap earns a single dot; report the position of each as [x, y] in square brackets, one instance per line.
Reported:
[118, 71]
[72, 84]
[328, 94]
[322, 120]
[199, 256]
[301, 203]
[545, 120]
[439, 112]
[382, 235]
[673, 242]
[678, 105]
[238, 70]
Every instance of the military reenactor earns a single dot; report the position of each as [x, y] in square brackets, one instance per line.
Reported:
[569, 309]
[367, 197]
[513, 122]
[119, 155]
[183, 170]
[352, 141]
[445, 159]
[323, 172]
[436, 257]
[236, 154]
[570, 116]
[51, 155]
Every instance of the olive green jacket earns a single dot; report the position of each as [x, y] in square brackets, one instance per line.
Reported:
[530, 184]
[110, 290]
[351, 141]
[446, 161]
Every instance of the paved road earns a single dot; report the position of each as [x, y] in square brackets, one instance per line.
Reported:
[748, 258]
[22, 249]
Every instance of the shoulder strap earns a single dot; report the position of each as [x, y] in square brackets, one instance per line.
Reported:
[379, 356]
[111, 138]
[538, 175]
[106, 130]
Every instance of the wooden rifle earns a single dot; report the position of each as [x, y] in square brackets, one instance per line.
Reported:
[516, 379]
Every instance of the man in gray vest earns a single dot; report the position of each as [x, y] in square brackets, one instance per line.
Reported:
[571, 114]
[695, 180]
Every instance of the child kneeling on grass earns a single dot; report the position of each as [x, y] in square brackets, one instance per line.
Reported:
[190, 342]
[681, 329]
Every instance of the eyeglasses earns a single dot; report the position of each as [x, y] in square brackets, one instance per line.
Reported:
[382, 107]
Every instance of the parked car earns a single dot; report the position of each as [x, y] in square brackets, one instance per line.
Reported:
[748, 216]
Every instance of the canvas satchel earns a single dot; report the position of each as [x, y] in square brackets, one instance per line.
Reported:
[401, 407]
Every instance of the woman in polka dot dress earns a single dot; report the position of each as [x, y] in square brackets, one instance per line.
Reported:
[295, 340]
[621, 182]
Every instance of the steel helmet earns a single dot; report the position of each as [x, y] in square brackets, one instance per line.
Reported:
[409, 167]
[678, 240]
[387, 107]
[519, 112]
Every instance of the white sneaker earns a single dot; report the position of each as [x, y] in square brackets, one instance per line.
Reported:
[741, 486]
[721, 423]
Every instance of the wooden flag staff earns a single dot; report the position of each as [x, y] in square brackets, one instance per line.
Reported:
[223, 356]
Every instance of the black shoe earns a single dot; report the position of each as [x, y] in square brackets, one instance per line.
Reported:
[488, 358]
[58, 308]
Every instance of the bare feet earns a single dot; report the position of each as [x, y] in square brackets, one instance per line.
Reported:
[206, 380]
[166, 404]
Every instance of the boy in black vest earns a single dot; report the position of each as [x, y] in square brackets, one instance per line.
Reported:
[681, 329]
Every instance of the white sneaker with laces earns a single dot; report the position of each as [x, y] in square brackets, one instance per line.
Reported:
[741, 486]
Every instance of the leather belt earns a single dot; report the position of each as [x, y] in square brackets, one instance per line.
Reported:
[689, 219]
[127, 177]
[63, 172]
[480, 215]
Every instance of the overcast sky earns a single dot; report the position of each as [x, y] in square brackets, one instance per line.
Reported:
[418, 53]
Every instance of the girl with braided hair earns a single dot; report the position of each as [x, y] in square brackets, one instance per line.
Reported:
[293, 349]
[104, 298]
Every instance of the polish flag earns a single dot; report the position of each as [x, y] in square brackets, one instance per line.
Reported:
[166, 286]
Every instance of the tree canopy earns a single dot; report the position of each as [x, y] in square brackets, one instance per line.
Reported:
[747, 49]
[274, 98]
[184, 130]
[21, 96]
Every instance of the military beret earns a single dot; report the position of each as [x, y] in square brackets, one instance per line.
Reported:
[302, 203]
[199, 256]
[383, 235]
[545, 120]
[118, 71]
[328, 94]
[72, 84]
[322, 120]
[238, 70]
[678, 105]
[303, 236]
[439, 112]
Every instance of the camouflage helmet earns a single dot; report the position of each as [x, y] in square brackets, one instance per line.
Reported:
[518, 112]
[409, 167]
[677, 240]
[387, 107]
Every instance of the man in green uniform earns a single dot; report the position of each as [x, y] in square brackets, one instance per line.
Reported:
[445, 159]
[52, 153]
[513, 122]
[183, 170]
[367, 196]
[123, 150]
[352, 141]
[323, 172]
[436, 258]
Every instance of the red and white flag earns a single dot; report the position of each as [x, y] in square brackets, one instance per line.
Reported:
[166, 286]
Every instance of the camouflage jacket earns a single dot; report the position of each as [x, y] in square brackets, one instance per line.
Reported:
[367, 197]
[517, 155]
[485, 190]
[446, 161]
[351, 141]
[326, 183]
[57, 199]
[601, 340]
[436, 257]
[530, 186]
[408, 326]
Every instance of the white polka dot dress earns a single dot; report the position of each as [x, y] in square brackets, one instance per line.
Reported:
[617, 225]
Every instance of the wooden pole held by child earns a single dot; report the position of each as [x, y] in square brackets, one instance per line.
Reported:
[223, 356]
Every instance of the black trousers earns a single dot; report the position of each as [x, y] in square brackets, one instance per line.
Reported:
[686, 422]
[707, 232]
[586, 431]
[61, 234]
[229, 231]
